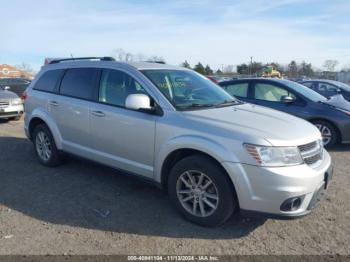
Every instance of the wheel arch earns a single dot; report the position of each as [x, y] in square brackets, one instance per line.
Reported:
[337, 129]
[40, 117]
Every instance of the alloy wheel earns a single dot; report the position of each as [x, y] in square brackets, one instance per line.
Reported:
[197, 193]
[326, 133]
[43, 146]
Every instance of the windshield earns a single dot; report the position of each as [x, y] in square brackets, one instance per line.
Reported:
[305, 91]
[188, 90]
[346, 87]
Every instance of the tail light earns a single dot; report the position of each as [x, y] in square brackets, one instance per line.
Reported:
[24, 96]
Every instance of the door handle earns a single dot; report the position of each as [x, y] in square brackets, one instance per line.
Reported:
[98, 113]
[53, 103]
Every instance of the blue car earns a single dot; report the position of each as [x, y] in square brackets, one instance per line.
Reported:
[328, 88]
[330, 115]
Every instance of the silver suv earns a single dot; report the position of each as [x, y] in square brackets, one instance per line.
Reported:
[214, 154]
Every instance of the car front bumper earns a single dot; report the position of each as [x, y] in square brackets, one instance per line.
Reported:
[11, 111]
[263, 190]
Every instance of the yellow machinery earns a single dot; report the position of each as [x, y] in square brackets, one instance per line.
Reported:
[269, 71]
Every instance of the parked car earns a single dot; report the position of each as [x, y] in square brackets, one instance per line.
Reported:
[213, 154]
[328, 88]
[331, 116]
[11, 106]
[16, 85]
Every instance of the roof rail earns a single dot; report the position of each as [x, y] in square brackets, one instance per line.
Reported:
[104, 58]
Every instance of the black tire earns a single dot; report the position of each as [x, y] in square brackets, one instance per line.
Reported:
[55, 158]
[334, 137]
[227, 201]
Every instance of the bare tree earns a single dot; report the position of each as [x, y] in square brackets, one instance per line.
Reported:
[25, 67]
[330, 64]
[155, 58]
[140, 57]
[228, 69]
[119, 54]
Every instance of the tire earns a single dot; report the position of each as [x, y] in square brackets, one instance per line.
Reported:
[328, 131]
[42, 133]
[196, 165]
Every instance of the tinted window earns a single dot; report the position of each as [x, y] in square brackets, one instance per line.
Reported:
[20, 81]
[79, 82]
[308, 84]
[47, 82]
[4, 81]
[115, 86]
[239, 89]
[269, 92]
[325, 87]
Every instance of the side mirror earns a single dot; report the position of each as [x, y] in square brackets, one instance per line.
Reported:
[287, 99]
[339, 91]
[7, 88]
[138, 102]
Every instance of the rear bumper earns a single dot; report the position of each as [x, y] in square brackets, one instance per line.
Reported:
[262, 191]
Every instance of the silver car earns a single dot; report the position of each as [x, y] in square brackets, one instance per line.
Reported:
[214, 154]
[11, 106]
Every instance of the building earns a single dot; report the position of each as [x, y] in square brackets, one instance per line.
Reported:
[7, 71]
[343, 77]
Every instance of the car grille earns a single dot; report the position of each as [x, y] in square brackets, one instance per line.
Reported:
[311, 153]
[4, 103]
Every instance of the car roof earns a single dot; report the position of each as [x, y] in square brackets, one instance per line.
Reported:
[319, 80]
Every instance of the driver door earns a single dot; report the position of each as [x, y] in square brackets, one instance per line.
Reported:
[121, 137]
[270, 95]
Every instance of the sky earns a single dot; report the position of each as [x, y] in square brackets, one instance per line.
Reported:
[217, 32]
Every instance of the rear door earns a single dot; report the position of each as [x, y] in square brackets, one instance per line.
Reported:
[72, 107]
[270, 94]
[121, 137]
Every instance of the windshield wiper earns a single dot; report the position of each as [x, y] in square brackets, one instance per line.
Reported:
[228, 103]
[195, 105]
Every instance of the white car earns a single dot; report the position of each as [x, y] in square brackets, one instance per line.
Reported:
[11, 106]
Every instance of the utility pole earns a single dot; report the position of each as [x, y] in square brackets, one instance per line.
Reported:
[251, 66]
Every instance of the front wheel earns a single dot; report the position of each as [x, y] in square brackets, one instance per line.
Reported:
[201, 190]
[328, 132]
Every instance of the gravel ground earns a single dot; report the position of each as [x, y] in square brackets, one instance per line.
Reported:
[84, 208]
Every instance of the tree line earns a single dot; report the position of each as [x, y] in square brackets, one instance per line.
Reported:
[292, 70]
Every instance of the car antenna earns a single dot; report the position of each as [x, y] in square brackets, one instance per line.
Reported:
[71, 55]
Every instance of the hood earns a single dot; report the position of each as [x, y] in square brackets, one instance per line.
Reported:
[338, 101]
[253, 123]
[4, 94]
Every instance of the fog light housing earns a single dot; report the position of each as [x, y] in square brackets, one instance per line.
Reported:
[292, 204]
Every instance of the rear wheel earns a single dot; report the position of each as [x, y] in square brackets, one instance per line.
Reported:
[45, 146]
[202, 191]
[328, 131]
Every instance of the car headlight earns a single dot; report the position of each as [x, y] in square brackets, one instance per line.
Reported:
[16, 101]
[274, 156]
